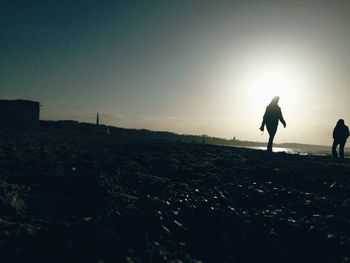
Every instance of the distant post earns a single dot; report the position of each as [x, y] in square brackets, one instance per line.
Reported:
[97, 120]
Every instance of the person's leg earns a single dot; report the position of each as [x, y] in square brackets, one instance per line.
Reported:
[334, 149]
[272, 133]
[341, 149]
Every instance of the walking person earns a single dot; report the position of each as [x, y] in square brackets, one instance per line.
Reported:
[272, 116]
[340, 135]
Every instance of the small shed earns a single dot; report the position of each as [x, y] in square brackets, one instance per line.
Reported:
[19, 114]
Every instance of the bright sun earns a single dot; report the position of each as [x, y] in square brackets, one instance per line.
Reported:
[269, 81]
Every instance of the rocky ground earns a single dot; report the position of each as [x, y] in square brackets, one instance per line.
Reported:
[72, 197]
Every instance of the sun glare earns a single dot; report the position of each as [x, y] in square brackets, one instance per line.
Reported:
[268, 81]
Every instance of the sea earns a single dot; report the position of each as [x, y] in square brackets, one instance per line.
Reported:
[290, 150]
[281, 149]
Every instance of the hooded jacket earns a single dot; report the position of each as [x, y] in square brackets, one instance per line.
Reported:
[273, 114]
[341, 131]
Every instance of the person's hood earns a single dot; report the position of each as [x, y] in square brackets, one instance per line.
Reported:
[340, 122]
[275, 100]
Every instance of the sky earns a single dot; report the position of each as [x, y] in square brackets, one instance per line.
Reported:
[191, 67]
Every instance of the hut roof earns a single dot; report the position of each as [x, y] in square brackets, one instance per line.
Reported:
[20, 102]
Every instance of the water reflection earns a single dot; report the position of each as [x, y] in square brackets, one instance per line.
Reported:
[280, 149]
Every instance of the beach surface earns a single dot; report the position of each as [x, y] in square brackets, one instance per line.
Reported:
[73, 197]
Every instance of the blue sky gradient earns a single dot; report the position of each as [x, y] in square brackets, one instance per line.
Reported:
[181, 66]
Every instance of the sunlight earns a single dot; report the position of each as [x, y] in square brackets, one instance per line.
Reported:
[261, 80]
[274, 79]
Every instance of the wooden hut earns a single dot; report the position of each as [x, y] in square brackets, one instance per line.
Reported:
[19, 114]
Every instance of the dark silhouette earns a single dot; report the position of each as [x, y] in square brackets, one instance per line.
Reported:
[340, 135]
[272, 115]
[19, 114]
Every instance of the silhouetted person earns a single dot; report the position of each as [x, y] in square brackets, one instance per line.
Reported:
[272, 115]
[340, 135]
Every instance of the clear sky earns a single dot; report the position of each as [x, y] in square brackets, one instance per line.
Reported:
[195, 67]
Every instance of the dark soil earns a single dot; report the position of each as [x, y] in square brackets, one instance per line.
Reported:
[73, 197]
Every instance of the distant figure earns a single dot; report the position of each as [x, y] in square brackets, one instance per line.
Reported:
[340, 135]
[272, 115]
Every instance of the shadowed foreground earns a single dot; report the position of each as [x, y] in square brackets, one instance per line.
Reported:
[88, 198]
